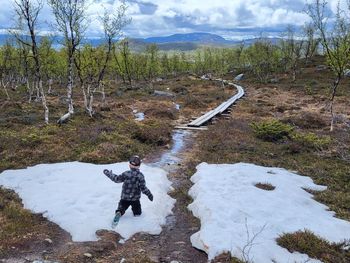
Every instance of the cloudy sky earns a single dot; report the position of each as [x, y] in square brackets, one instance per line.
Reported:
[232, 19]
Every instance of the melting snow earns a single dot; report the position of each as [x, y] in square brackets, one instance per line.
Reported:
[81, 199]
[140, 116]
[231, 207]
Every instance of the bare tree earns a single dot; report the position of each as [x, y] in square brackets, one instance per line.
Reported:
[311, 41]
[124, 67]
[336, 43]
[291, 50]
[28, 11]
[5, 67]
[70, 19]
[113, 21]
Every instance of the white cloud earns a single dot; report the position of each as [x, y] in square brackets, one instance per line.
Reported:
[165, 17]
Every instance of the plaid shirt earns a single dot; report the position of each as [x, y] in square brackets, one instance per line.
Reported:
[133, 184]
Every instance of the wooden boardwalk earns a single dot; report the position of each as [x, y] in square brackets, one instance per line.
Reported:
[197, 123]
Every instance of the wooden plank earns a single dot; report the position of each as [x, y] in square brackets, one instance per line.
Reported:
[218, 110]
[191, 128]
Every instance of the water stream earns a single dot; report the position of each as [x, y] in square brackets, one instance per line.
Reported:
[171, 158]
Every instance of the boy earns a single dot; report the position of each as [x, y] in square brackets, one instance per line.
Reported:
[133, 184]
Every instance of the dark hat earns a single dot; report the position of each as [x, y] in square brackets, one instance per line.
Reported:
[135, 160]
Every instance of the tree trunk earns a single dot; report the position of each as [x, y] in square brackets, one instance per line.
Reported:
[43, 100]
[66, 116]
[85, 97]
[91, 101]
[294, 75]
[4, 86]
[334, 90]
[35, 84]
[30, 92]
[88, 102]
[70, 86]
[50, 86]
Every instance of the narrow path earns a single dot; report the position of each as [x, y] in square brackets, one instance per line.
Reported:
[174, 242]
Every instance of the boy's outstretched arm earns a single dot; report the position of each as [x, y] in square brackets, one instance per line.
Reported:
[114, 177]
[144, 188]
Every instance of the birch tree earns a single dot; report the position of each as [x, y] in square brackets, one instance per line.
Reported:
[335, 42]
[291, 50]
[124, 63]
[70, 20]
[28, 11]
[6, 67]
[113, 22]
[311, 41]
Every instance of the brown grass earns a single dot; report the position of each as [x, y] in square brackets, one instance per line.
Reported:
[265, 186]
[316, 247]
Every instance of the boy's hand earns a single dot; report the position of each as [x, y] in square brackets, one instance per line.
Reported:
[150, 197]
[107, 172]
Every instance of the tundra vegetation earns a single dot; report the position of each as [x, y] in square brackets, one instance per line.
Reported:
[91, 91]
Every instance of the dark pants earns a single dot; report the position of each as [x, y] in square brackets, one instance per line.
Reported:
[124, 205]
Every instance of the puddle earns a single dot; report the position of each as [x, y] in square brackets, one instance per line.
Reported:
[171, 157]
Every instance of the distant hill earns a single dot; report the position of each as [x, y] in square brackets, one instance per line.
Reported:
[199, 38]
[179, 42]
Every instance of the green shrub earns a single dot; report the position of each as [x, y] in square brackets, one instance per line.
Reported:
[311, 140]
[271, 130]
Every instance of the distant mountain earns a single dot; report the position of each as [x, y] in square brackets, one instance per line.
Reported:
[199, 38]
[179, 42]
[4, 38]
[139, 45]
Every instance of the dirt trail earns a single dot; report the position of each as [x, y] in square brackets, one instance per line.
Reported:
[174, 242]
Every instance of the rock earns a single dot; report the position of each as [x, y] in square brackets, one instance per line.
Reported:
[321, 67]
[154, 259]
[88, 255]
[206, 76]
[239, 77]
[48, 240]
[341, 118]
[347, 73]
[274, 80]
[163, 93]
[159, 79]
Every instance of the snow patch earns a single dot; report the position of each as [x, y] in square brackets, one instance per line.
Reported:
[177, 106]
[81, 199]
[232, 210]
[140, 116]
